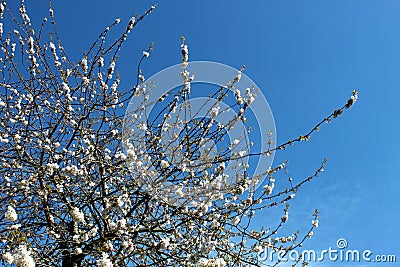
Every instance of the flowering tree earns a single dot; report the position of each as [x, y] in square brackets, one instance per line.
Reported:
[73, 164]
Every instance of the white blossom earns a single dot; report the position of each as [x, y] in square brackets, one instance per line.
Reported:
[238, 76]
[8, 257]
[100, 62]
[111, 69]
[84, 64]
[164, 164]
[179, 192]
[2, 7]
[236, 220]
[258, 249]
[185, 55]
[31, 45]
[85, 80]
[285, 217]
[104, 261]
[214, 111]
[130, 24]
[235, 142]
[11, 215]
[212, 262]
[239, 98]
[165, 242]
[268, 189]
[131, 154]
[250, 99]
[23, 258]
[77, 215]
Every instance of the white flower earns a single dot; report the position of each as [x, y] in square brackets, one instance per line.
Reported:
[185, 55]
[30, 44]
[100, 62]
[146, 54]
[235, 142]
[354, 97]
[179, 192]
[212, 263]
[268, 189]
[131, 154]
[52, 47]
[8, 257]
[15, 226]
[77, 215]
[214, 111]
[120, 155]
[104, 261]
[185, 50]
[258, 249]
[236, 220]
[23, 258]
[11, 215]
[53, 166]
[185, 75]
[85, 80]
[139, 163]
[130, 24]
[164, 164]
[187, 86]
[203, 262]
[111, 69]
[238, 76]
[2, 7]
[222, 166]
[250, 99]
[214, 224]
[285, 217]
[242, 153]
[237, 95]
[84, 64]
[165, 242]
[143, 126]
[93, 231]
[315, 223]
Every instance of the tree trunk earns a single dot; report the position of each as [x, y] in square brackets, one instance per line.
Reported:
[71, 260]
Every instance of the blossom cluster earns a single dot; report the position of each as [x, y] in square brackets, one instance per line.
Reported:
[22, 257]
[79, 177]
[212, 262]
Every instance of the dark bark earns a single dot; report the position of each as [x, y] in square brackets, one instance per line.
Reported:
[71, 260]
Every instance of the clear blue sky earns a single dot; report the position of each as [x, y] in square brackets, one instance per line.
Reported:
[307, 57]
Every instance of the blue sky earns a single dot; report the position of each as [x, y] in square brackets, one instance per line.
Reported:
[307, 57]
